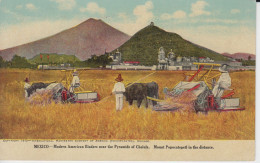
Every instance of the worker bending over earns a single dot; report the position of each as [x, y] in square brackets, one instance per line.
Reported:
[224, 82]
[119, 89]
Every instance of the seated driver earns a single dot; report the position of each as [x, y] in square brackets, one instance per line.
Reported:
[224, 82]
[75, 81]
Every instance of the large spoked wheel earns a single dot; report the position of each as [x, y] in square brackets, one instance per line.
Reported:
[201, 104]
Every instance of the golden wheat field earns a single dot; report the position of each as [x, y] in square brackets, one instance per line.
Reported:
[21, 120]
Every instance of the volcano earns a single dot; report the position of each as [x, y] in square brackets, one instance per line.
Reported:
[92, 37]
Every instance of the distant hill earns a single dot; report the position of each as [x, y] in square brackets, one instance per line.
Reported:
[144, 45]
[243, 56]
[54, 58]
[88, 38]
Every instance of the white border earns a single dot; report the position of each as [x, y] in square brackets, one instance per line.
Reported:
[257, 103]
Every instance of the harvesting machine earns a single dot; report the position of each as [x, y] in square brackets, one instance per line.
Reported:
[78, 95]
[201, 84]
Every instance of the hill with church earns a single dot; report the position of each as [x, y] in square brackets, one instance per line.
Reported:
[144, 46]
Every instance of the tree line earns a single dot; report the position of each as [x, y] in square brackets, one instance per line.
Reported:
[21, 62]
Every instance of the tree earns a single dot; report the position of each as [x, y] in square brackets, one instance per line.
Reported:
[97, 61]
[2, 62]
[20, 62]
[249, 57]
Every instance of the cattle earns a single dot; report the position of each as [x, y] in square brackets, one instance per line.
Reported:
[35, 86]
[136, 91]
[152, 91]
[140, 91]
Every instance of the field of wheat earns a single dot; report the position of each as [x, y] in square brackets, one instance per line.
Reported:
[22, 120]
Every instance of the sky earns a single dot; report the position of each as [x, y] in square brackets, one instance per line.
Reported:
[220, 25]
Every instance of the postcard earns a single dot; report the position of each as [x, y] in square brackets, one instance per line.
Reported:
[146, 80]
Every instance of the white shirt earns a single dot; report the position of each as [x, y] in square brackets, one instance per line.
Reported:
[224, 80]
[26, 86]
[75, 80]
[119, 89]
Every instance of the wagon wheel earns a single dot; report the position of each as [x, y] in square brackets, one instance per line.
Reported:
[201, 103]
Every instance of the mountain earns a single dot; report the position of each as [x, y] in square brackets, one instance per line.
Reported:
[144, 45]
[88, 38]
[243, 56]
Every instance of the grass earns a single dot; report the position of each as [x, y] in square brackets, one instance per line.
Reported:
[20, 120]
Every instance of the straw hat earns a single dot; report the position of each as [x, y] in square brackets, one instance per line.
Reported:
[223, 68]
[119, 78]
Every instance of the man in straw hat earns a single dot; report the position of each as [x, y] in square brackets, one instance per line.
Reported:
[75, 81]
[119, 89]
[224, 82]
[26, 87]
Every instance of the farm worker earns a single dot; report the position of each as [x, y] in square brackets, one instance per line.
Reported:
[26, 86]
[75, 81]
[119, 89]
[224, 82]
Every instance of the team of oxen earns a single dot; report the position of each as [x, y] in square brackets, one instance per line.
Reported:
[134, 91]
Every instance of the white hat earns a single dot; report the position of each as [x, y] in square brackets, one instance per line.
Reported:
[223, 68]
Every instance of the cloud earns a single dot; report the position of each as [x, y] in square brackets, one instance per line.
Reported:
[143, 13]
[197, 9]
[226, 21]
[179, 14]
[93, 8]
[166, 16]
[65, 4]
[30, 6]
[143, 16]
[15, 15]
[122, 15]
[234, 11]
[17, 34]
[19, 6]
[176, 15]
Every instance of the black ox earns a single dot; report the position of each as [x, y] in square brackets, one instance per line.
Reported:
[35, 86]
[140, 91]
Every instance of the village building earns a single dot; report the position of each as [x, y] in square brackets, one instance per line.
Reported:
[202, 59]
[235, 63]
[170, 62]
[171, 58]
[193, 59]
[179, 59]
[116, 57]
[163, 61]
[131, 63]
[65, 65]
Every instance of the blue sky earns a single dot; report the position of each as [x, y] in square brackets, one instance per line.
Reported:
[221, 25]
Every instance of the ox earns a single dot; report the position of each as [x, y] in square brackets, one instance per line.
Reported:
[36, 86]
[140, 91]
[152, 91]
